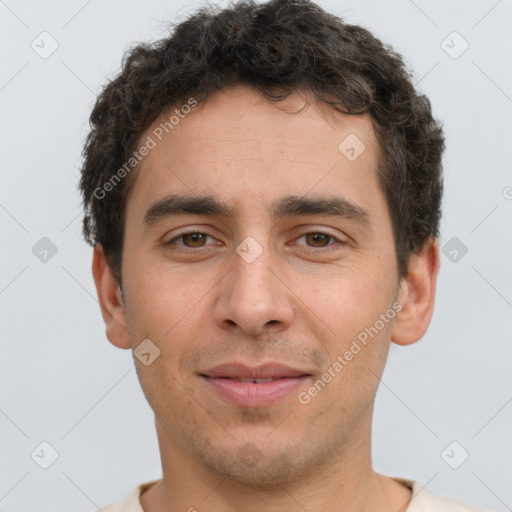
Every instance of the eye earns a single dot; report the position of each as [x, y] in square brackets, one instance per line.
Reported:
[320, 239]
[191, 239]
[314, 240]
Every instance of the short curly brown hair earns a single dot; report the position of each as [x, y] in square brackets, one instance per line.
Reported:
[277, 48]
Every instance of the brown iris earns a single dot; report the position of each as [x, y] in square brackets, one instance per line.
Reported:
[194, 238]
[317, 238]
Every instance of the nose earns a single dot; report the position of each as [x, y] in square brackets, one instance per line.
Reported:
[253, 297]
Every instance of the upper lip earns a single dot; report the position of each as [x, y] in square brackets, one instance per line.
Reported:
[262, 371]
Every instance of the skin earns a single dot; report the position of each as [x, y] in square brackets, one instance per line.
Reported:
[302, 302]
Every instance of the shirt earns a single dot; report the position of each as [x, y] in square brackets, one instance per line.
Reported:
[421, 500]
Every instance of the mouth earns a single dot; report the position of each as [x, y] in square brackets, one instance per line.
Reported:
[254, 386]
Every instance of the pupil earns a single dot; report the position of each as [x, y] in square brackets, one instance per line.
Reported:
[315, 237]
[319, 237]
[196, 237]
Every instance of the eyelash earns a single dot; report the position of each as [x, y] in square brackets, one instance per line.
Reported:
[197, 249]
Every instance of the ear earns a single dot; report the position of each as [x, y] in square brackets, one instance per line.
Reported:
[110, 299]
[417, 294]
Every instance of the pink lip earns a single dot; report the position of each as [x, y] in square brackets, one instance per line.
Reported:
[225, 380]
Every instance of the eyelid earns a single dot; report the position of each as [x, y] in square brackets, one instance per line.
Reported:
[188, 232]
[338, 241]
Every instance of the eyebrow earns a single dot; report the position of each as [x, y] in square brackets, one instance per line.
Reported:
[287, 206]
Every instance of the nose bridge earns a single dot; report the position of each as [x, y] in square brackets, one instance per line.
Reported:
[252, 268]
[252, 295]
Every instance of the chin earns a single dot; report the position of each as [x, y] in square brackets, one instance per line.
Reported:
[258, 464]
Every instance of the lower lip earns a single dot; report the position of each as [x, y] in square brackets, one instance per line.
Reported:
[251, 394]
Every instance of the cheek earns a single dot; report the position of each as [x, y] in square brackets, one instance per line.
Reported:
[166, 306]
[346, 301]
[156, 291]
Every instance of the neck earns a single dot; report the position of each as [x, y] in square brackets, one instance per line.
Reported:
[346, 482]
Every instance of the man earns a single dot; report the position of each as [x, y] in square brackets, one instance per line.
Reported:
[262, 190]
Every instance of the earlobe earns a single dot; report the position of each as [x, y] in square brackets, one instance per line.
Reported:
[417, 295]
[111, 300]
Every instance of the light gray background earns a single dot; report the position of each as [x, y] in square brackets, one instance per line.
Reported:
[61, 380]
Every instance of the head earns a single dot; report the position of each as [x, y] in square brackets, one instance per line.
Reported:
[318, 171]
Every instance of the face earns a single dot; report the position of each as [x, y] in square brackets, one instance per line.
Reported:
[292, 261]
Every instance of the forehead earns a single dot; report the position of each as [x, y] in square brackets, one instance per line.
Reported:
[241, 146]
